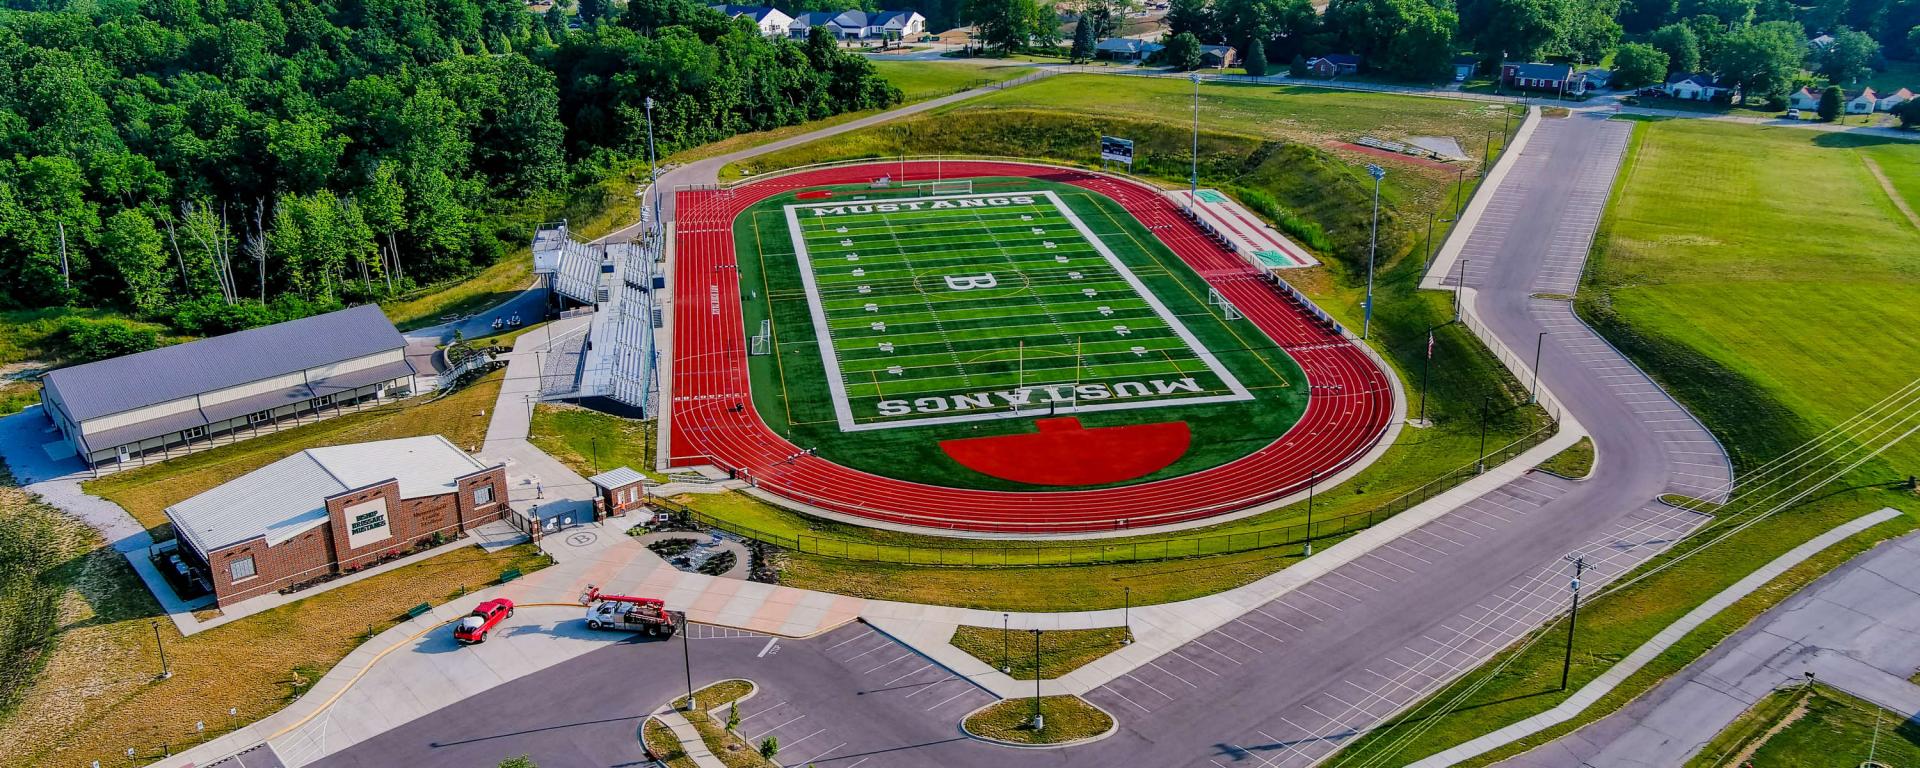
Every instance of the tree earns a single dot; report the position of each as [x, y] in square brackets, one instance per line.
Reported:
[769, 747]
[1006, 26]
[1297, 67]
[593, 12]
[1831, 102]
[1256, 63]
[1680, 45]
[1105, 15]
[1638, 64]
[1082, 42]
[522, 761]
[1182, 52]
[1763, 59]
[1849, 58]
[1194, 16]
[132, 247]
[1909, 114]
[1521, 29]
[1409, 39]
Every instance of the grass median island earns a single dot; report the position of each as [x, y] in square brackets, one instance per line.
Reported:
[711, 720]
[1712, 272]
[104, 646]
[661, 742]
[146, 492]
[1575, 462]
[1061, 650]
[1067, 719]
[1814, 727]
[590, 442]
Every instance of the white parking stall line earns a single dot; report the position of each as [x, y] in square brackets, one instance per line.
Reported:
[763, 734]
[1123, 697]
[815, 758]
[1290, 625]
[762, 712]
[1164, 671]
[907, 675]
[1149, 686]
[803, 738]
[1242, 621]
[924, 687]
[889, 662]
[948, 700]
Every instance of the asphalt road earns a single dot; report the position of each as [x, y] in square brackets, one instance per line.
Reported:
[1857, 628]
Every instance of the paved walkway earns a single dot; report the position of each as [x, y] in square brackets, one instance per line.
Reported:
[1857, 629]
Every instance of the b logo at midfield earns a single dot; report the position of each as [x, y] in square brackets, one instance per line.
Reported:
[970, 282]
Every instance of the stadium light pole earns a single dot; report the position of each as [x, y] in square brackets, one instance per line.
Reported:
[1312, 480]
[1193, 174]
[653, 166]
[1480, 464]
[1373, 242]
[1573, 618]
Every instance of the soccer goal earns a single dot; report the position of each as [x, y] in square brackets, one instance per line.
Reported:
[762, 343]
[1227, 310]
[961, 187]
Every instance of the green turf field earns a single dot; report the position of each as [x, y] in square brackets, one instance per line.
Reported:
[919, 358]
[963, 307]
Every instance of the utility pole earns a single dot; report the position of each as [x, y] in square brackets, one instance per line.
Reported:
[66, 272]
[1573, 618]
[1373, 244]
[1538, 342]
[1193, 175]
[1039, 722]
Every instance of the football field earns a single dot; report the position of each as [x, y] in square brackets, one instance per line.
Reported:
[964, 307]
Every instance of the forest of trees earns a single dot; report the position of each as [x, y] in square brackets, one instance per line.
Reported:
[216, 164]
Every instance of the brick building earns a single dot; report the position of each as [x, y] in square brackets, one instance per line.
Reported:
[333, 509]
[621, 490]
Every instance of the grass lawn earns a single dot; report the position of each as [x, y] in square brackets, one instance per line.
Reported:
[1898, 75]
[718, 695]
[1575, 462]
[1061, 650]
[1813, 726]
[590, 442]
[103, 650]
[1067, 718]
[1716, 271]
[491, 286]
[663, 744]
[711, 720]
[17, 396]
[922, 80]
[146, 492]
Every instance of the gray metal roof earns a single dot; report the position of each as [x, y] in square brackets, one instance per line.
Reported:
[169, 373]
[617, 478]
[288, 497]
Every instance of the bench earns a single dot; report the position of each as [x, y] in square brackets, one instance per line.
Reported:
[418, 611]
[509, 575]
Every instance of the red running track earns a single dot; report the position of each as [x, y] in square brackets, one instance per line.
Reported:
[1349, 405]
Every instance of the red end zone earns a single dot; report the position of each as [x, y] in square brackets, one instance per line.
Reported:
[713, 420]
[1065, 453]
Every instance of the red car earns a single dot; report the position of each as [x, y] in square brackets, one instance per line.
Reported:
[473, 627]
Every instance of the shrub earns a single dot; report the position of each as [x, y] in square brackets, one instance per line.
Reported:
[769, 747]
[671, 547]
[718, 564]
[84, 341]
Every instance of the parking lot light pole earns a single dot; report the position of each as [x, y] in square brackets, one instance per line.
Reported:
[1312, 479]
[686, 653]
[1039, 722]
[166, 670]
[1541, 341]
[1006, 644]
[1373, 243]
[1126, 614]
[1480, 464]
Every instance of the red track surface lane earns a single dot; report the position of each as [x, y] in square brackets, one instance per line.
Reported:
[714, 421]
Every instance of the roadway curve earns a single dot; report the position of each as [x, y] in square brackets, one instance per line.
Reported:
[713, 420]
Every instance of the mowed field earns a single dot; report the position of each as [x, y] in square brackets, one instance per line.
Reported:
[938, 352]
[985, 306]
[1787, 257]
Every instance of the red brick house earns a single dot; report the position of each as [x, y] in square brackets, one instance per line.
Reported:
[334, 509]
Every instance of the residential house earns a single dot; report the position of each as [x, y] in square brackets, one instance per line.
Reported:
[771, 21]
[1890, 100]
[1700, 86]
[1804, 98]
[1127, 49]
[227, 388]
[1216, 56]
[1862, 102]
[1597, 79]
[1537, 76]
[803, 23]
[1334, 65]
[332, 510]
[860, 25]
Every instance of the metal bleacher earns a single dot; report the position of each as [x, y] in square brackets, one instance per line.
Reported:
[617, 280]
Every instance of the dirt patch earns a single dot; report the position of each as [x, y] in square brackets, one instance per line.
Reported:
[1793, 716]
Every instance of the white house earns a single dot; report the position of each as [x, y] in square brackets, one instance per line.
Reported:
[1862, 102]
[1804, 99]
[860, 25]
[1700, 87]
[771, 21]
[1890, 100]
